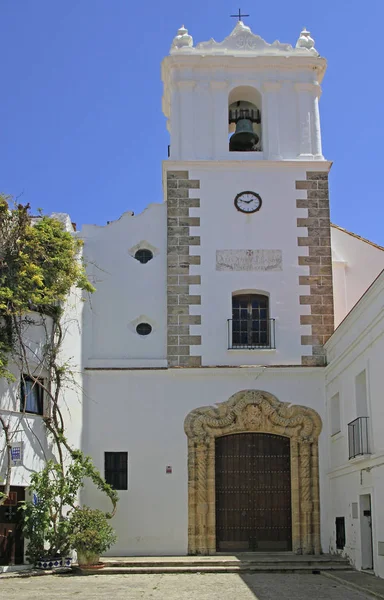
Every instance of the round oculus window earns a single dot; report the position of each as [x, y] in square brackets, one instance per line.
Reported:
[144, 328]
[143, 255]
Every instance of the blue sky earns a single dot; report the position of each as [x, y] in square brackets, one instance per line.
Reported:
[81, 127]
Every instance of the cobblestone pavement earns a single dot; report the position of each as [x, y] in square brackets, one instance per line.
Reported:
[178, 587]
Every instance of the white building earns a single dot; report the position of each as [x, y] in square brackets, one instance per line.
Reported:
[354, 383]
[206, 395]
[23, 405]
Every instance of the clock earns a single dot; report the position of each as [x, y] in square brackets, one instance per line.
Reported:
[248, 202]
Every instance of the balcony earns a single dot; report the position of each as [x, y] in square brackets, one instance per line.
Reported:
[251, 334]
[358, 440]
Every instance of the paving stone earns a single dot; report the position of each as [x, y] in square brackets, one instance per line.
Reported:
[179, 587]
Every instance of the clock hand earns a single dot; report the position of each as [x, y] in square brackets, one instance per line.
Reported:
[246, 201]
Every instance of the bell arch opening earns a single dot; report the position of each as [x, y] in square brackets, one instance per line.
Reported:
[244, 120]
[253, 411]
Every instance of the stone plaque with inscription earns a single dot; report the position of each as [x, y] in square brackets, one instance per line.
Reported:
[249, 260]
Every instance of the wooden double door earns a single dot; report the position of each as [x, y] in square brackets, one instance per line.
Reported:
[253, 493]
[11, 537]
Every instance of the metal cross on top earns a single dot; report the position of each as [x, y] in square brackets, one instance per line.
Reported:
[239, 16]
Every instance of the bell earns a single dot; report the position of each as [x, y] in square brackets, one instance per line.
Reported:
[244, 139]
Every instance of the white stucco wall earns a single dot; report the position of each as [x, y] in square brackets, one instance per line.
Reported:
[356, 263]
[136, 291]
[29, 428]
[273, 227]
[127, 291]
[143, 413]
[357, 345]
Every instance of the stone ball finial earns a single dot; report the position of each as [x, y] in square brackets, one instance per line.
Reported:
[182, 39]
[305, 40]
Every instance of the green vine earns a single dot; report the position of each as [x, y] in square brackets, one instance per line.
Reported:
[39, 266]
[95, 476]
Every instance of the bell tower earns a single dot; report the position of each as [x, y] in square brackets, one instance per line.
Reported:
[246, 186]
[266, 94]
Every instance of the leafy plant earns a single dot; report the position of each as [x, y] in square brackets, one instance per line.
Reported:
[91, 534]
[47, 522]
[44, 521]
[39, 266]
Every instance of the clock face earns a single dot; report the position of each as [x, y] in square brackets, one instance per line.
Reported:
[248, 202]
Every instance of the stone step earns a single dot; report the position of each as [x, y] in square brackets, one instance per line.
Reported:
[216, 561]
[277, 568]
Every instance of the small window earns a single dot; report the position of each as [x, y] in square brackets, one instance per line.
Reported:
[116, 469]
[335, 414]
[144, 328]
[31, 395]
[340, 533]
[250, 321]
[143, 255]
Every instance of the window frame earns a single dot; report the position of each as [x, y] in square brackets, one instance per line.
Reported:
[111, 474]
[251, 333]
[37, 389]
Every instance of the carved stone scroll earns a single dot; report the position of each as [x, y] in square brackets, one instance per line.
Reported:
[253, 411]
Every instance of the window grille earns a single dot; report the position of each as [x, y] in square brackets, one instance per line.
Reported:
[250, 326]
[358, 439]
[116, 469]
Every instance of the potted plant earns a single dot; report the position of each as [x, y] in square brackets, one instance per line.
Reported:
[45, 516]
[91, 535]
[51, 515]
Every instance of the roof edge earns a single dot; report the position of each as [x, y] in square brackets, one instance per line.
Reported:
[354, 308]
[358, 237]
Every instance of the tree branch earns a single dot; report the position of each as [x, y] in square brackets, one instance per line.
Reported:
[6, 427]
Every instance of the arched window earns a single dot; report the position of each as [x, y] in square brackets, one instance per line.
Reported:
[251, 326]
[244, 120]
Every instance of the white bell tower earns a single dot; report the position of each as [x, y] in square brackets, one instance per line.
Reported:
[246, 186]
[203, 84]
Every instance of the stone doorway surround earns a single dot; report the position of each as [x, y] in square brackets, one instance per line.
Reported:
[253, 411]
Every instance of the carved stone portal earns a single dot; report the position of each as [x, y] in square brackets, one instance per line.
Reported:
[253, 411]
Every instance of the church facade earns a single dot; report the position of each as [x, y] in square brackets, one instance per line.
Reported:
[212, 386]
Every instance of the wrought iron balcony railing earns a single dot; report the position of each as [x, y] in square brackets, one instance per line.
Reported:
[358, 438]
[251, 334]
